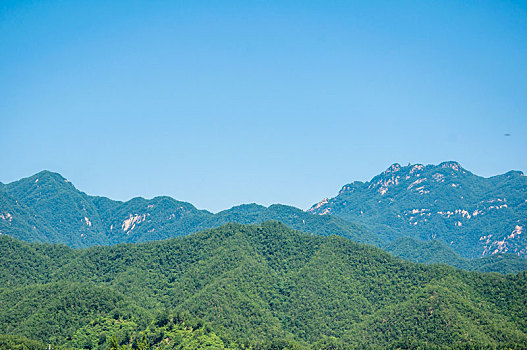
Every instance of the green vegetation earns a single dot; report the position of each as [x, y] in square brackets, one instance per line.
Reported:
[13, 342]
[47, 208]
[261, 287]
[437, 252]
[473, 215]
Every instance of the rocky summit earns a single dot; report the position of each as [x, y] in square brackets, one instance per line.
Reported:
[474, 215]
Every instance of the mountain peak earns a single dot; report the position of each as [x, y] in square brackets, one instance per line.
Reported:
[50, 173]
[514, 173]
[43, 179]
[46, 176]
[395, 167]
[413, 168]
[452, 165]
[472, 214]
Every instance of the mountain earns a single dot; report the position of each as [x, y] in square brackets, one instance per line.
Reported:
[48, 208]
[294, 218]
[257, 286]
[437, 252]
[476, 216]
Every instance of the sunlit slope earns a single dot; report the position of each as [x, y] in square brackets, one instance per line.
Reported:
[476, 216]
[270, 282]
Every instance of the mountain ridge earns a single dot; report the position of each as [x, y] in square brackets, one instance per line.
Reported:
[74, 218]
[46, 207]
[476, 216]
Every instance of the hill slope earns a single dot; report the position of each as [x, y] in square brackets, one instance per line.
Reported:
[476, 216]
[437, 252]
[47, 208]
[261, 283]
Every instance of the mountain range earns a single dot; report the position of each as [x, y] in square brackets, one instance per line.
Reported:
[429, 214]
[476, 216]
[48, 208]
[87, 272]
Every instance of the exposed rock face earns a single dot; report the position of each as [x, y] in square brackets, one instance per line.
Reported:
[474, 215]
[47, 208]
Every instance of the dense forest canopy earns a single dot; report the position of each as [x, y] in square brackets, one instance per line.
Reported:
[253, 286]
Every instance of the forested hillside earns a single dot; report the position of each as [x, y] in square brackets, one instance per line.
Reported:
[263, 286]
[48, 208]
[476, 216]
[437, 252]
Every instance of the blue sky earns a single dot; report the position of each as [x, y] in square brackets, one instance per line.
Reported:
[226, 102]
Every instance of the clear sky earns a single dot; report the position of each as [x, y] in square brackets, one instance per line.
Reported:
[226, 102]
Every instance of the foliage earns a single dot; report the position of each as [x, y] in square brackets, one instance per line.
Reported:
[475, 216]
[261, 287]
[437, 252]
[47, 208]
[99, 333]
[13, 342]
[54, 311]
